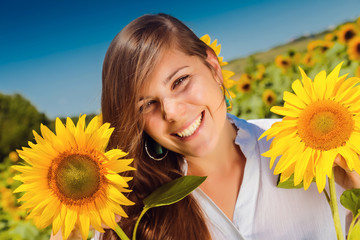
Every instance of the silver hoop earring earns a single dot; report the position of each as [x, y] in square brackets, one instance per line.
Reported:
[157, 149]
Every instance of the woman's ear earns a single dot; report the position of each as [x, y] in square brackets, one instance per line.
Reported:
[214, 62]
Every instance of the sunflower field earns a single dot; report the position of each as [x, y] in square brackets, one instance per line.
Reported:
[259, 85]
[254, 89]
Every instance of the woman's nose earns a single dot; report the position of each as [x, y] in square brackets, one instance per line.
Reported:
[172, 109]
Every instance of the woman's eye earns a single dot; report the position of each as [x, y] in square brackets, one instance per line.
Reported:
[179, 81]
[147, 105]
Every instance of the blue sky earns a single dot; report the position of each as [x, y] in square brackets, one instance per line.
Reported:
[52, 51]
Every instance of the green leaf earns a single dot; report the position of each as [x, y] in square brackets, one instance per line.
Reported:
[173, 191]
[354, 234]
[288, 184]
[350, 199]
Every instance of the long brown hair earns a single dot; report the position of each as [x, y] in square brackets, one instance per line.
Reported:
[130, 58]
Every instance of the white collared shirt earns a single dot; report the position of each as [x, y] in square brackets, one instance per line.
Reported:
[262, 210]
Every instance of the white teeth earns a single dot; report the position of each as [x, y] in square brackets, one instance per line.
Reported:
[191, 129]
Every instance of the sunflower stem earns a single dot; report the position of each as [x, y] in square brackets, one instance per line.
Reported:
[327, 196]
[352, 224]
[137, 222]
[121, 233]
[334, 208]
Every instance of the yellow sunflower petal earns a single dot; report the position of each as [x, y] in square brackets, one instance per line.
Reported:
[49, 213]
[30, 186]
[70, 125]
[331, 80]
[300, 91]
[206, 39]
[56, 224]
[320, 179]
[354, 140]
[348, 96]
[309, 173]
[115, 154]
[117, 209]
[284, 111]
[118, 197]
[301, 166]
[119, 166]
[70, 219]
[326, 161]
[308, 85]
[273, 152]
[320, 84]
[33, 158]
[349, 156]
[93, 125]
[354, 107]
[293, 100]
[84, 224]
[106, 215]
[95, 219]
[64, 133]
[286, 174]
[116, 179]
[291, 156]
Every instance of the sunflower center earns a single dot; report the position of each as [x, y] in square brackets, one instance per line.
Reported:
[349, 35]
[325, 125]
[284, 63]
[358, 48]
[269, 99]
[76, 177]
[246, 86]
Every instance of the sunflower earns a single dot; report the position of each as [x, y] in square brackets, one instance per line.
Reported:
[260, 71]
[245, 77]
[354, 48]
[13, 156]
[70, 180]
[228, 83]
[283, 62]
[320, 45]
[330, 37]
[294, 56]
[243, 85]
[321, 120]
[346, 32]
[269, 97]
[8, 202]
[308, 59]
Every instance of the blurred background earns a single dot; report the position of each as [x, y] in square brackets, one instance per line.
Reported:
[51, 55]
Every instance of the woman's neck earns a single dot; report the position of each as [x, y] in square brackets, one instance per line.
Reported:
[222, 159]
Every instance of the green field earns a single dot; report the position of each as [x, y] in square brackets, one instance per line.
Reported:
[299, 45]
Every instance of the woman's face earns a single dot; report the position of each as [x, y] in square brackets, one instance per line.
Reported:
[183, 105]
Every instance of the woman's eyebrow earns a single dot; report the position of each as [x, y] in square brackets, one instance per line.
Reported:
[173, 74]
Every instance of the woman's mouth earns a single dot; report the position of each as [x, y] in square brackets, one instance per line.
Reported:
[192, 128]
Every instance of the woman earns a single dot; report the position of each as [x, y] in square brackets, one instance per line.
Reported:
[163, 93]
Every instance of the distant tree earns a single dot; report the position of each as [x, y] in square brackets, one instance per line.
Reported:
[18, 117]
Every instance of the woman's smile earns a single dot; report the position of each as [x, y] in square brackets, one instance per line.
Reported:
[190, 130]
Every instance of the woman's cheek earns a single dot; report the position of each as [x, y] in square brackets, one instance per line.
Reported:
[152, 126]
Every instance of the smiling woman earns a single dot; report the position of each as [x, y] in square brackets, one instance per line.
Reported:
[187, 112]
[163, 92]
[152, 96]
